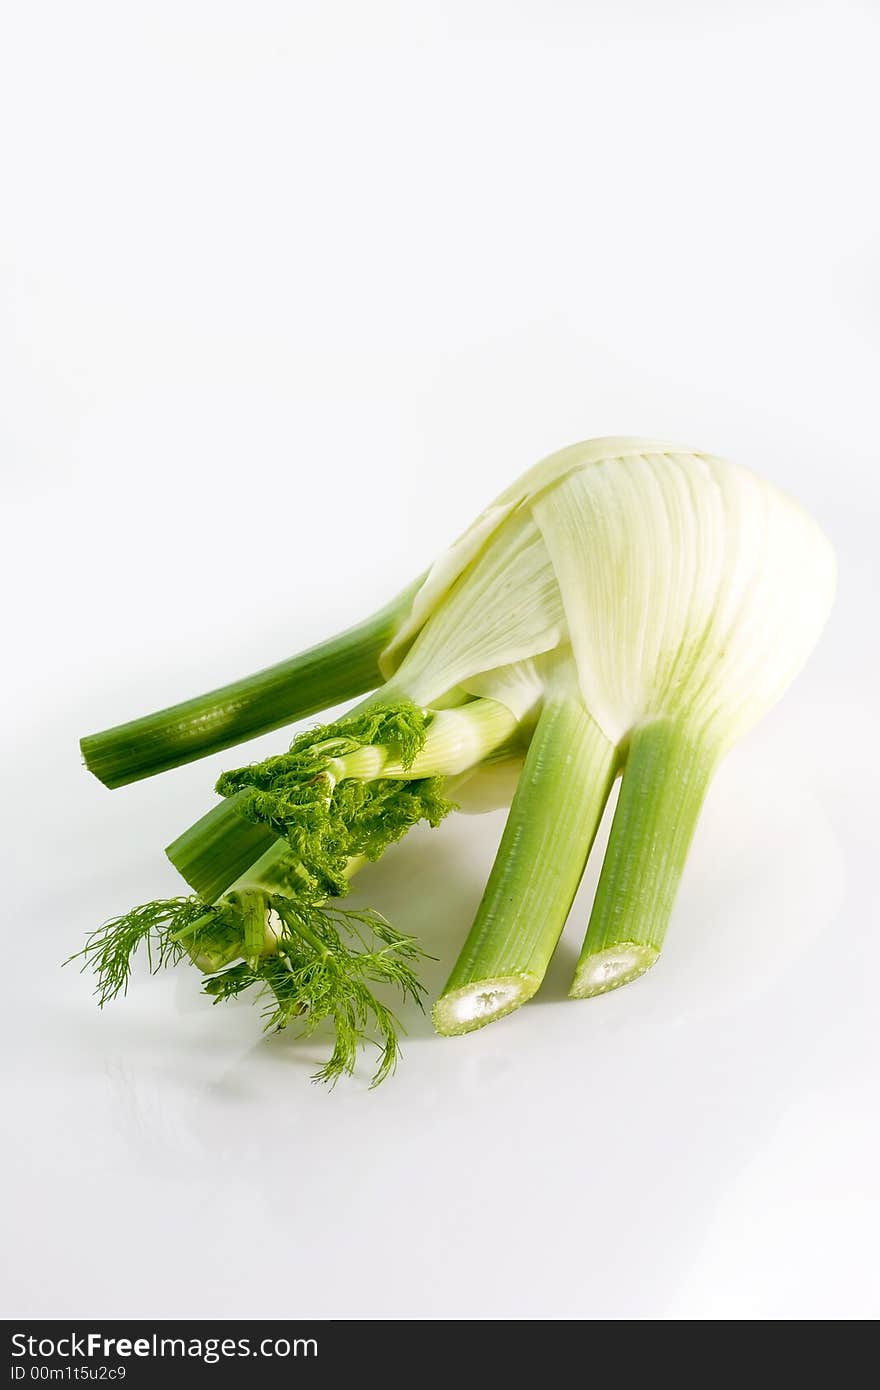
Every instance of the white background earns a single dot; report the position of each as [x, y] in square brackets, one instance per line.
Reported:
[289, 292]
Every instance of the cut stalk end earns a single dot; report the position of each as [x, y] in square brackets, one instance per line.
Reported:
[667, 772]
[557, 807]
[609, 969]
[481, 1002]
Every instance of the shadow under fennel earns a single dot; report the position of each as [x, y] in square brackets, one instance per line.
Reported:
[429, 886]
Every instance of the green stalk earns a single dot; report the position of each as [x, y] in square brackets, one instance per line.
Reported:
[279, 872]
[456, 739]
[223, 948]
[665, 779]
[223, 850]
[253, 911]
[560, 797]
[328, 674]
[276, 871]
[215, 852]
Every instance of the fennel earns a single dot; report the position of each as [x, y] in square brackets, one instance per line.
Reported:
[626, 608]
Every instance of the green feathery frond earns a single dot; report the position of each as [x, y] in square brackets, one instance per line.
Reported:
[326, 822]
[326, 962]
[311, 963]
[326, 827]
[167, 929]
[401, 728]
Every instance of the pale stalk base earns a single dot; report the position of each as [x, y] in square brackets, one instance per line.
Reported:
[610, 969]
[474, 1005]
